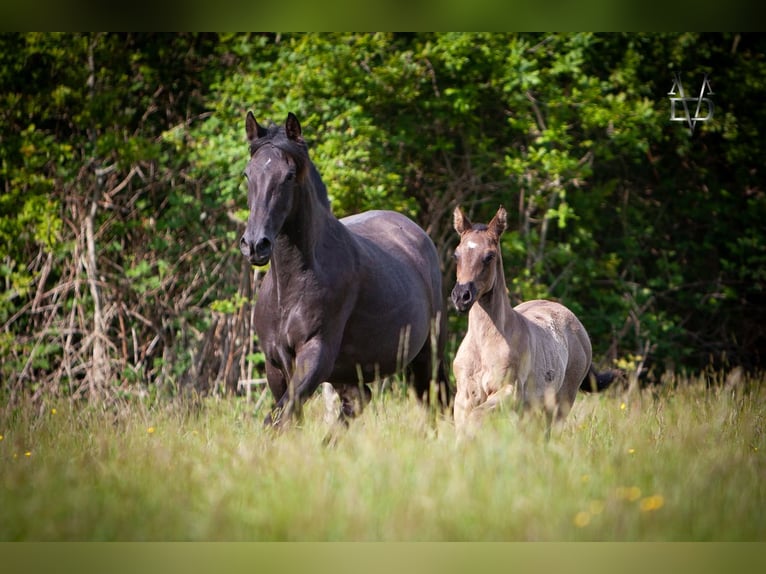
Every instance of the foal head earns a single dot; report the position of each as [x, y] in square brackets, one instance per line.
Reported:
[278, 163]
[477, 256]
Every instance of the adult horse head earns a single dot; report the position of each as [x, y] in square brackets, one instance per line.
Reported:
[538, 352]
[344, 301]
[278, 168]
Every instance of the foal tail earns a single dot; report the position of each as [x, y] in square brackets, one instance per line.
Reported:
[595, 382]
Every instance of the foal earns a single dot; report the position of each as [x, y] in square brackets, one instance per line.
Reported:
[538, 352]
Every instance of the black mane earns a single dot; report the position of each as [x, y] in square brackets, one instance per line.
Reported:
[298, 151]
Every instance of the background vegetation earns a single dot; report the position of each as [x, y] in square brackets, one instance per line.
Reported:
[122, 199]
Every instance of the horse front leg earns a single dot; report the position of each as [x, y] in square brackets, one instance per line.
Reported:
[313, 364]
[461, 409]
[277, 381]
[473, 418]
[468, 396]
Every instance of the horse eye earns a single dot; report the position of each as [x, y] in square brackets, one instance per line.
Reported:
[488, 257]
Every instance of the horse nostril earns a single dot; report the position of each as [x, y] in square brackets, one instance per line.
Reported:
[263, 246]
[464, 296]
[242, 242]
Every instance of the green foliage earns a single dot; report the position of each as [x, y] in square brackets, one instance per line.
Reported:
[228, 306]
[80, 150]
[653, 236]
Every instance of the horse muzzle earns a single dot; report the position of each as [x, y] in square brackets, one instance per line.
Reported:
[464, 296]
[258, 252]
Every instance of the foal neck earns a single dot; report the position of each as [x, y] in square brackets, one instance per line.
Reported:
[493, 310]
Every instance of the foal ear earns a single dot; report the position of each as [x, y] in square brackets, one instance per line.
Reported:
[253, 129]
[460, 221]
[293, 128]
[498, 223]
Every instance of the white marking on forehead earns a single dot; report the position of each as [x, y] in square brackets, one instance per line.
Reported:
[268, 161]
[471, 244]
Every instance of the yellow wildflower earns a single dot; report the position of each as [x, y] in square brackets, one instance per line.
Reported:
[654, 502]
[623, 406]
[53, 411]
[631, 493]
[28, 453]
[150, 430]
[581, 519]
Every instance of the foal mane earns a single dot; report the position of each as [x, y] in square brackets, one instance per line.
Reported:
[298, 151]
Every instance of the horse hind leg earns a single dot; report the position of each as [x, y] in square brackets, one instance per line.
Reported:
[353, 399]
[341, 405]
[423, 372]
[332, 402]
[333, 417]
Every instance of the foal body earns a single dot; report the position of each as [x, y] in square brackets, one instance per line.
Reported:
[537, 353]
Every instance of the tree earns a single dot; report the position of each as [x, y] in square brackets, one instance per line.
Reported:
[121, 159]
[96, 296]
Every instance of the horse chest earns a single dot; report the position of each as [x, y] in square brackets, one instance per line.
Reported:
[283, 324]
[484, 367]
[498, 370]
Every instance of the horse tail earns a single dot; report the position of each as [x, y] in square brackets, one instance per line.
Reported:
[596, 382]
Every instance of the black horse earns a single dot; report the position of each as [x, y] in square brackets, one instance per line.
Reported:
[344, 301]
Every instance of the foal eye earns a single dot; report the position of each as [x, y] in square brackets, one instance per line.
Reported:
[488, 257]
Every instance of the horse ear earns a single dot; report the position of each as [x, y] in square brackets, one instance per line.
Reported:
[293, 128]
[252, 128]
[460, 221]
[499, 222]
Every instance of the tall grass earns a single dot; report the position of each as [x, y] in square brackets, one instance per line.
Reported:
[683, 461]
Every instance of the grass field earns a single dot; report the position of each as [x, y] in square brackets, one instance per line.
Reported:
[684, 461]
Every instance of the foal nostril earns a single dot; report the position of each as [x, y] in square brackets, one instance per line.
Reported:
[464, 296]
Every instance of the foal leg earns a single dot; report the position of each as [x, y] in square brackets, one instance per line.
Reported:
[501, 397]
[461, 411]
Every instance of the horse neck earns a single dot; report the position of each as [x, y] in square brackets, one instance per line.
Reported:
[303, 229]
[492, 313]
